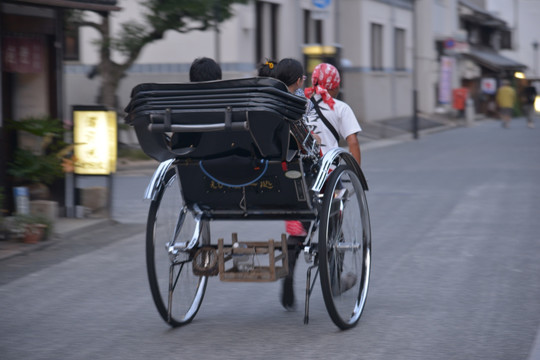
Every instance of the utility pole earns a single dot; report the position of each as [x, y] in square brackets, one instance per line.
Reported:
[535, 57]
[414, 80]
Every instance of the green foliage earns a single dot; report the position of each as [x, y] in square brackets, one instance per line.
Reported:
[159, 16]
[20, 221]
[38, 125]
[33, 168]
[164, 15]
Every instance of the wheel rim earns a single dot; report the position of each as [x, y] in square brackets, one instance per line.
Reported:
[177, 292]
[344, 245]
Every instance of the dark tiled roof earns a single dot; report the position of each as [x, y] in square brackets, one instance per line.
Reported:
[97, 5]
[493, 60]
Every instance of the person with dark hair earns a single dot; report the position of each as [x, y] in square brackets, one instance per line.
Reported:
[331, 120]
[204, 69]
[267, 69]
[291, 72]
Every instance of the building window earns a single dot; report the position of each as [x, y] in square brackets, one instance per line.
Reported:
[313, 29]
[267, 20]
[506, 40]
[376, 46]
[71, 42]
[399, 49]
[318, 31]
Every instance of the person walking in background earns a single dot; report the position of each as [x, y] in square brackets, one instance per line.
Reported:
[506, 97]
[529, 96]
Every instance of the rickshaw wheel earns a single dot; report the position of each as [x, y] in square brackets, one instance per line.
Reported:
[344, 247]
[176, 290]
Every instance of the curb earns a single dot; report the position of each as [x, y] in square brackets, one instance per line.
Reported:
[63, 229]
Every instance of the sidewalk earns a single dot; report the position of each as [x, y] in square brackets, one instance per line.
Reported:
[373, 135]
[63, 229]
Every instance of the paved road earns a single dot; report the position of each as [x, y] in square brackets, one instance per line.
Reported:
[455, 271]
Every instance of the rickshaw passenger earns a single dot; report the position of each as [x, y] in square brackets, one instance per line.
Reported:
[291, 72]
[204, 69]
[201, 69]
[267, 69]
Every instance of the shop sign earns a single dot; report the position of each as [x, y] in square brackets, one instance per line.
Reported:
[321, 4]
[321, 9]
[488, 85]
[22, 54]
[95, 139]
[445, 79]
[453, 46]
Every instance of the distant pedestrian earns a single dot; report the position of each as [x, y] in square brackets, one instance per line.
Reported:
[529, 96]
[506, 98]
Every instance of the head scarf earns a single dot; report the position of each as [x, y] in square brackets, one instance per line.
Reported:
[325, 77]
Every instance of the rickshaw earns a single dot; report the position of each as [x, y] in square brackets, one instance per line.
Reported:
[240, 150]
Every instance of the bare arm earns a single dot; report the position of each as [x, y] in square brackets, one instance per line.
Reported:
[354, 147]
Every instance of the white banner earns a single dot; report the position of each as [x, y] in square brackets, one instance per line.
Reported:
[445, 79]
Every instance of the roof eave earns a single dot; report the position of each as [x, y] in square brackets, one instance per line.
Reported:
[70, 4]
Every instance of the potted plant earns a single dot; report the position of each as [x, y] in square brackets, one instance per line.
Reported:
[29, 228]
[37, 163]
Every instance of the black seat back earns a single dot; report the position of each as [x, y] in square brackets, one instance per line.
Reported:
[253, 112]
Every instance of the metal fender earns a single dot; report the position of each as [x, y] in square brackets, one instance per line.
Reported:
[330, 158]
[157, 179]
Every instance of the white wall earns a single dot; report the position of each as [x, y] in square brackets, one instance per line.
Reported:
[375, 95]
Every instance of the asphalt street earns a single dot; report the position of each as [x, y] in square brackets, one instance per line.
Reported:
[455, 270]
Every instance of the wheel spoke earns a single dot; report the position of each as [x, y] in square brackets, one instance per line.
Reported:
[177, 292]
[343, 259]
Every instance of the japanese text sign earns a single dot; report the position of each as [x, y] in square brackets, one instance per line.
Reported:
[95, 139]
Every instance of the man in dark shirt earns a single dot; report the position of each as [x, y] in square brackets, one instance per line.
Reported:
[529, 97]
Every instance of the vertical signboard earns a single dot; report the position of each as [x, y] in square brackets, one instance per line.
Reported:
[95, 139]
[445, 79]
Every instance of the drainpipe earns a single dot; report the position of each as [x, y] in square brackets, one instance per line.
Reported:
[393, 72]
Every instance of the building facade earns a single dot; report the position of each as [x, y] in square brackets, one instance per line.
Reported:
[31, 49]
[339, 31]
[387, 50]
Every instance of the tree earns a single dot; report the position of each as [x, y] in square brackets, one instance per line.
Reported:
[159, 17]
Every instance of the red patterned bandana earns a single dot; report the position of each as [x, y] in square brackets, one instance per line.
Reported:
[325, 77]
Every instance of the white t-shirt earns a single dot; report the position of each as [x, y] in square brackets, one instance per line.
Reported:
[342, 119]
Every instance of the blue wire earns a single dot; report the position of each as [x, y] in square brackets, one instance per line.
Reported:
[231, 185]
